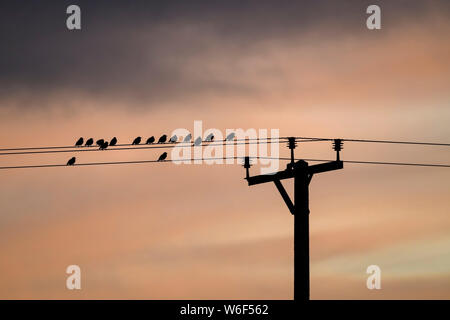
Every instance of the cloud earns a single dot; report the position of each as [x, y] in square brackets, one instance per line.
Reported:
[172, 52]
[306, 68]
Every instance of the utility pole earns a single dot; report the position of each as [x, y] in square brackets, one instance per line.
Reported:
[302, 173]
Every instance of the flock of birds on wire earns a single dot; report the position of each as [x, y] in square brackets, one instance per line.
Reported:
[103, 144]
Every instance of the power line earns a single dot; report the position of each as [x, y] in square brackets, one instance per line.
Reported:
[280, 139]
[400, 163]
[381, 141]
[227, 158]
[381, 163]
[113, 162]
[137, 147]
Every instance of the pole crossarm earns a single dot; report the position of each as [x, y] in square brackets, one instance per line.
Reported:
[290, 172]
[324, 167]
[263, 178]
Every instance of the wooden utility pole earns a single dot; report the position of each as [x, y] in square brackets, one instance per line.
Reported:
[302, 173]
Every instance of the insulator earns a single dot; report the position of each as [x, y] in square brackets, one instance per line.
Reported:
[338, 144]
[292, 143]
[247, 162]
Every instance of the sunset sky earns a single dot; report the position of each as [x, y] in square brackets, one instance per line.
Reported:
[166, 231]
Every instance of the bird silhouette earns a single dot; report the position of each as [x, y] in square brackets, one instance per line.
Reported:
[100, 142]
[162, 157]
[173, 139]
[71, 161]
[89, 142]
[79, 142]
[198, 141]
[187, 138]
[136, 141]
[150, 140]
[210, 137]
[162, 139]
[104, 145]
[113, 142]
[230, 136]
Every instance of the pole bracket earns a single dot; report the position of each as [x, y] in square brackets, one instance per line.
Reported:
[284, 195]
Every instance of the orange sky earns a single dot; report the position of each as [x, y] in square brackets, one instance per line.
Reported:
[163, 231]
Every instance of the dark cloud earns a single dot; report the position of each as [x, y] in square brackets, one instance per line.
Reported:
[144, 48]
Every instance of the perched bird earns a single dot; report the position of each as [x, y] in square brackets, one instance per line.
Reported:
[162, 157]
[89, 142]
[173, 139]
[210, 137]
[100, 142]
[71, 161]
[150, 140]
[79, 142]
[162, 139]
[198, 141]
[113, 142]
[230, 136]
[187, 138]
[104, 145]
[136, 141]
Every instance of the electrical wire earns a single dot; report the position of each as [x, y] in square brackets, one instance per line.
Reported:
[279, 139]
[226, 158]
[380, 141]
[139, 147]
